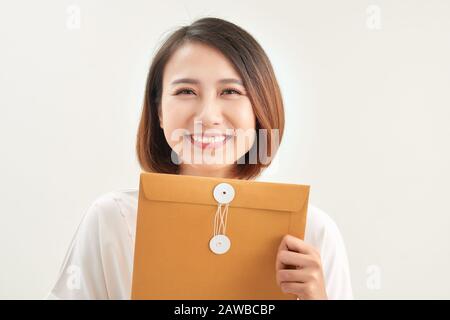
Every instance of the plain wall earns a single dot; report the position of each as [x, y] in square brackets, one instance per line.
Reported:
[366, 91]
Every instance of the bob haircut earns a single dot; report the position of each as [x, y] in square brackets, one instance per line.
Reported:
[255, 69]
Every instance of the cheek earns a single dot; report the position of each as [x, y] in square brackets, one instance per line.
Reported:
[244, 121]
[174, 122]
[243, 117]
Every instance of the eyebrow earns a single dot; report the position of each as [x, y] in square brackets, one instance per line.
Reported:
[195, 81]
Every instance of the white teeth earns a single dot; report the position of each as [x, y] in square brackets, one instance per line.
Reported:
[203, 139]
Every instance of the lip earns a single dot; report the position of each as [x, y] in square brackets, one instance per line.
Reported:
[210, 145]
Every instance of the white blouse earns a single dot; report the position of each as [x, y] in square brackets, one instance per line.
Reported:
[99, 261]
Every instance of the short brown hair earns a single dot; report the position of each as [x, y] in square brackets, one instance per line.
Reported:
[255, 69]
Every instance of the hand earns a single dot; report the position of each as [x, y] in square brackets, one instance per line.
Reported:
[305, 278]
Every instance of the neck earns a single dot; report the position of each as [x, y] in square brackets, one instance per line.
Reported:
[205, 171]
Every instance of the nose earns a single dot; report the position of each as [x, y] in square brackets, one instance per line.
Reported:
[209, 114]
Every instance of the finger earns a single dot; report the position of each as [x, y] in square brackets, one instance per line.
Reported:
[289, 258]
[296, 288]
[296, 244]
[286, 275]
[283, 262]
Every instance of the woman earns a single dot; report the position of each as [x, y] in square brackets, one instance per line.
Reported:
[209, 86]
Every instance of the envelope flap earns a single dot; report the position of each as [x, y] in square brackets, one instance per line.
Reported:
[248, 194]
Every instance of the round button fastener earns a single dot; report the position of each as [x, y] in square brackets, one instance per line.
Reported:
[224, 193]
[220, 244]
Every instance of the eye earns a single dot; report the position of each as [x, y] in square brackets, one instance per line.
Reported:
[190, 92]
[231, 91]
[184, 91]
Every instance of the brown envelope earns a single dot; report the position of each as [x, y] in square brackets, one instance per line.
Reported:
[175, 223]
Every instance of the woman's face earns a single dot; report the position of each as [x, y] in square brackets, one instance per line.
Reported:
[205, 112]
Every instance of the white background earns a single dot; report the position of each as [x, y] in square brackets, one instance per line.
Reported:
[366, 93]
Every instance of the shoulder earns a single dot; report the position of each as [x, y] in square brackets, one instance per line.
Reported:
[114, 202]
[99, 258]
[323, 234]
[111, 211]
[319, 226]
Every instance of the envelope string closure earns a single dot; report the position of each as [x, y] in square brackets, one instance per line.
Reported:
[224, 194]
[222, 225]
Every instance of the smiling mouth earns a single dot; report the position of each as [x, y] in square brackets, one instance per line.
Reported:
[204, 142]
